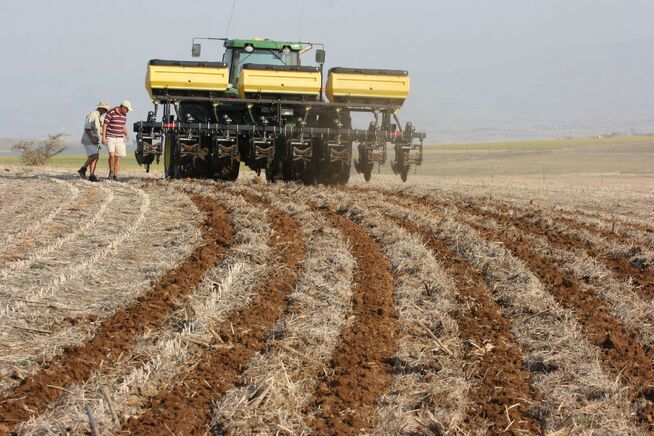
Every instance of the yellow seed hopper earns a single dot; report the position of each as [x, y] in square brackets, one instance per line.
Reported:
[367, 86]
[292, 82]
[184, 77]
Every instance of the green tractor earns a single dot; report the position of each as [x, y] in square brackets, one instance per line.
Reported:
[259, 106]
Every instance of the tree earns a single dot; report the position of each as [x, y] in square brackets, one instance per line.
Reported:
[38, 153]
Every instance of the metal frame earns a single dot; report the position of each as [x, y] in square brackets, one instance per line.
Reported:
[262, 136]
[358, 107]
[358, 135]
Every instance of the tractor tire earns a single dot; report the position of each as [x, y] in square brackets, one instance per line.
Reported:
[400, 167]
[363, 165]
[344, 175]
[230, 171]
[404, 172]
[173, 168]
[169, 157]
[367, 174]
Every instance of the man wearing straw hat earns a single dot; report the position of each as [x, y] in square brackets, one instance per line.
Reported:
[91, 139]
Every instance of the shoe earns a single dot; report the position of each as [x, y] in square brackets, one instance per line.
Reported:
[111, 176]
[114, 178]
[92, 178]
[82, 172]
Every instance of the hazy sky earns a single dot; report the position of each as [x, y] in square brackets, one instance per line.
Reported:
[472, 62]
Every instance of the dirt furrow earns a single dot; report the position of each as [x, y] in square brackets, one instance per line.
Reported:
[603, 223]
[359, 372]
[609, 230]
[503, 382]
[624, 257]
[72, 314]
[568, 239]
[187, 407]
[620, 298]
[617, 219]
[429, 386]
[621, 349]
[159, 355]
[623, 202]
[557, 355]
[279, 380]
[117, 334]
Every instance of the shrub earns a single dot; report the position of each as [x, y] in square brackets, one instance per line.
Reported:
[38, 153]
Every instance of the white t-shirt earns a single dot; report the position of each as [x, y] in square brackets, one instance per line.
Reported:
[93, 123]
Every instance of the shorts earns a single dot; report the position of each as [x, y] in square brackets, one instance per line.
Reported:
[116, 146]
[91, 149]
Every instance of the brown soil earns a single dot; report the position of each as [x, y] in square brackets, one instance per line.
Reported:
[608, 223]
[117, 334]
[360, 370]
[643, 278]
[188, 407]
[621, 350]
[502, 380]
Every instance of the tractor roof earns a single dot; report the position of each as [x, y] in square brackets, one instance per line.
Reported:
[263, 43]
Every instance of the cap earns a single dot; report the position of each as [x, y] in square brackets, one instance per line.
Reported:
[127, 104]
[103, 105]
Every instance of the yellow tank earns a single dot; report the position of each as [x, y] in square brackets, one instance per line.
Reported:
[173, 77]
[283, 80]
[356, 85]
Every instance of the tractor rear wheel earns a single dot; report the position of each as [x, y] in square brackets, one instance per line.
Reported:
[173, 167]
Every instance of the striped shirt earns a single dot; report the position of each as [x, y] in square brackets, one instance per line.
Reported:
[115, 123]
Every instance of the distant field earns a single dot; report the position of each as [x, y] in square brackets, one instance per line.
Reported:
[590, 160]
[74, 161]
[550, 144]
[585, 161]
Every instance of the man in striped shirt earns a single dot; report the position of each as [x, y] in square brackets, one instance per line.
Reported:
[114, 135]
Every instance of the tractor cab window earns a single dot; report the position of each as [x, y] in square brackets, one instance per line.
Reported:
[227, 57]
[260, 57]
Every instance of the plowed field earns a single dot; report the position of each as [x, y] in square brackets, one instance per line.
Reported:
[193, 307]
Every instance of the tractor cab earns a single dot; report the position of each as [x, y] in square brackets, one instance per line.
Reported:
[272, 68]
[239, 52]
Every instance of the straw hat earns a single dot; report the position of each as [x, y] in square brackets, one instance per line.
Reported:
[103, 105]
